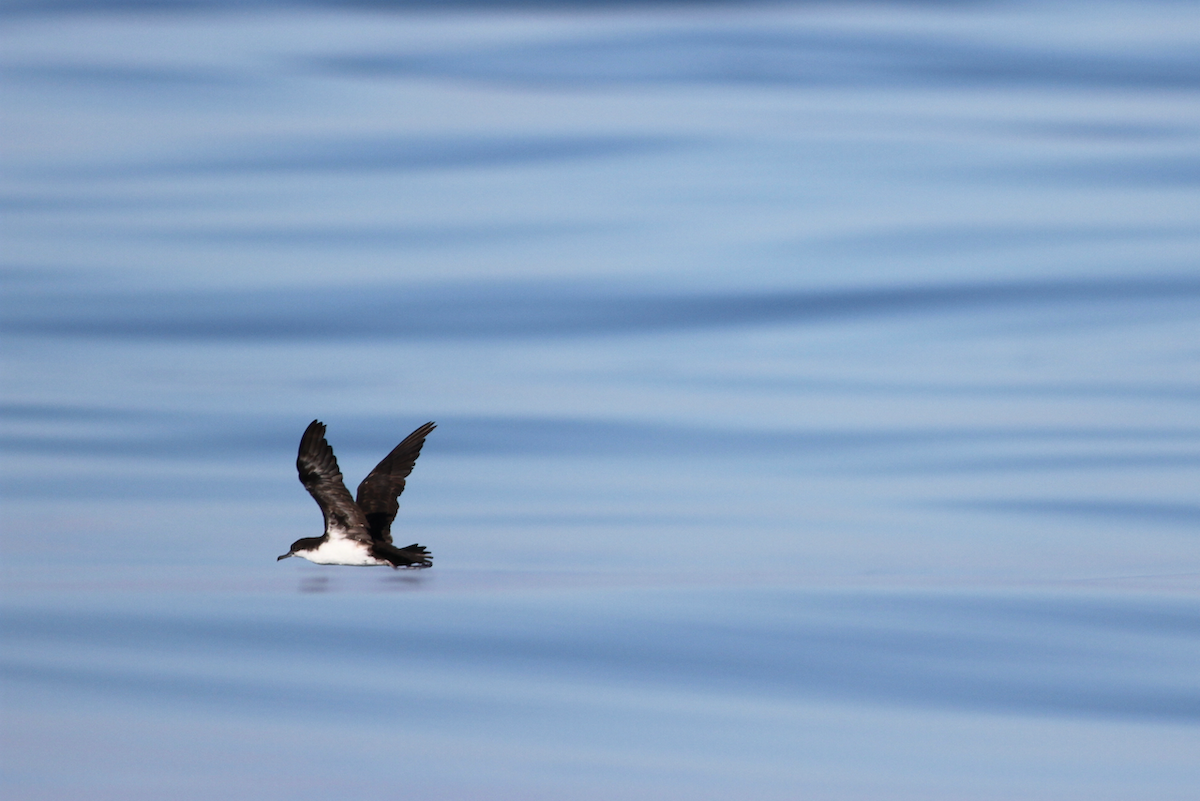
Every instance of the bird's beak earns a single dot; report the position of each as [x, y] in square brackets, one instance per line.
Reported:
[285, 556]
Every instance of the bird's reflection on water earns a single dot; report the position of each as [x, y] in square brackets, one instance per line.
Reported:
[314, 584]
[404, 579]
[393, 580]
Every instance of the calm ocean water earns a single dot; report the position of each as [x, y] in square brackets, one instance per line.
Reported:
[817, 389]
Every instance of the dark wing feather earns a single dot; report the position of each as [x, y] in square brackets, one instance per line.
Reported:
[320, 475]
[379, 491]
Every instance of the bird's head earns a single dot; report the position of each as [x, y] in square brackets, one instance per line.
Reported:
[301, 546]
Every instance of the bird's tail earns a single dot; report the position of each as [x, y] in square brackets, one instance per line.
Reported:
[410, 556]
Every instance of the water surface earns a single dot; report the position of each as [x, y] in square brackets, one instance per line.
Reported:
[816, 388]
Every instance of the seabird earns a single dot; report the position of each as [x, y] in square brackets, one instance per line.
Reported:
[357, 532]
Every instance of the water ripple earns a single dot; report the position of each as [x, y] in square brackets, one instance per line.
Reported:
[531, 310]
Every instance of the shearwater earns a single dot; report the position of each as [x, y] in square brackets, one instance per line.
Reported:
[357, 531]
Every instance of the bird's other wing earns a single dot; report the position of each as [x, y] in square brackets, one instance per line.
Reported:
[320, 475]
[379, 491]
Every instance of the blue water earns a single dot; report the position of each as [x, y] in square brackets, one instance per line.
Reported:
[817, 391]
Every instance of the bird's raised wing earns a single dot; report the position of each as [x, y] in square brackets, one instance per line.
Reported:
[379, 491]
[320, 475]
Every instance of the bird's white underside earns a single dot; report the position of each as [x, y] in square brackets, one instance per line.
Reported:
[340, 550]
